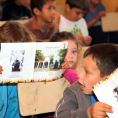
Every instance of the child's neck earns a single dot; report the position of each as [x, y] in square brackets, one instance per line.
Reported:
[66, 16]
[40, 23]
[92, 7]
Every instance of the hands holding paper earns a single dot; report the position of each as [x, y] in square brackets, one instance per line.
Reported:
[98, 110]
[1, 69]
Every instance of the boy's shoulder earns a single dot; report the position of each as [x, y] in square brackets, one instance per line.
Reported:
[75, 87]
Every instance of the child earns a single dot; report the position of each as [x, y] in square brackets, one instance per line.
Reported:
[93, 18]
[12, 31]
[72, 53]
[45, 20]
[98, 62]
[16, 10]
[72, 20]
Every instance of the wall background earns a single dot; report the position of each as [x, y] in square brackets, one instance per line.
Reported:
[110, 5]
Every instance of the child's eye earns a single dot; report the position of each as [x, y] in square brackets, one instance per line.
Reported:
[49, 8]
[86, 71]
[74, 51]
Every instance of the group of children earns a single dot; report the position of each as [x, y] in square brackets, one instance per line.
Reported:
[98, 62]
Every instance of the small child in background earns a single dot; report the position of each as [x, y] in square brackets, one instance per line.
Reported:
[72, 20]
[45, 21]
[71, 55]
[93, 18]
[79, 101]
[11, 32]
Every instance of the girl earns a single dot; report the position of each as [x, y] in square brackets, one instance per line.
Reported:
[71, 55]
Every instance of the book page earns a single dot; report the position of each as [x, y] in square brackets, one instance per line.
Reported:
[17, 61]
[32, 62]
[48, 60]
[107, 92]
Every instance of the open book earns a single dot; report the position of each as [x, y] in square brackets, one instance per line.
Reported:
[107, 92]
[31, 62]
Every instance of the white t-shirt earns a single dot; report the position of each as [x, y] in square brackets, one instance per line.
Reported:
[79, 26]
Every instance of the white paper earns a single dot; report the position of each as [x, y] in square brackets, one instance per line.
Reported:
[20, 63]
[107, 92]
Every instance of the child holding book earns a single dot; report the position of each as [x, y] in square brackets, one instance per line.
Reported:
[11, 32]
[71, 55]
[98, 62]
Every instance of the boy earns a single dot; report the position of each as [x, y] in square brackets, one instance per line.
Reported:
[45, 20]
[72, 20]
[16, 10]
[99, 61]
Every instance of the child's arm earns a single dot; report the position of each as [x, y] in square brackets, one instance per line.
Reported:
[56, 21]
[98, 110]
[68, 106]
[97, 18]
[86, 40]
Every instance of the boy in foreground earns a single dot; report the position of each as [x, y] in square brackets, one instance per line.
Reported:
[78, 100]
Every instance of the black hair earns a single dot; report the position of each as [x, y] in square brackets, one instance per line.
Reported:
[106, 57]
[37, 4]
[81, 4]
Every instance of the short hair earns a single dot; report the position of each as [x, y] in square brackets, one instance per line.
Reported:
[13, 31]
[37, 4]
[80, 4]
[105, 56]
[62, 36]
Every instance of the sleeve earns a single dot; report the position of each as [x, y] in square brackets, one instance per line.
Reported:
[71, 76]
[68, 107]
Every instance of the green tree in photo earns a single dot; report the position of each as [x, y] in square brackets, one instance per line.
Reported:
[39, 55]
[61, 54]
[51, 58]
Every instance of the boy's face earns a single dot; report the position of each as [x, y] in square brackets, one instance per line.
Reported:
[75, 14]
[71, 54]
[95, 1]
[48, 11]
[89, 75]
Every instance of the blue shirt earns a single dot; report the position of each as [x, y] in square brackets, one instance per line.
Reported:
[93, 100]
[92, 14]
[13, 108]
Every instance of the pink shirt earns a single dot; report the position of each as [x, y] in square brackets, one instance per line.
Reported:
[71, 75]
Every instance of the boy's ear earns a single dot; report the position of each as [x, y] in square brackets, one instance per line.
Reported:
[36, 11]
[67, 7]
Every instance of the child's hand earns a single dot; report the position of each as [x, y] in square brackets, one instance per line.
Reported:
[80, 37]
[101, 14]
[87, 40]
[65, 65]
[56, 21]
[1, 69]
[98, 110]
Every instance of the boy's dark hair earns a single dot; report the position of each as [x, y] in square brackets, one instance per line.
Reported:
[80, 4]
[63, 36]
[37, 4]
[105, 56]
